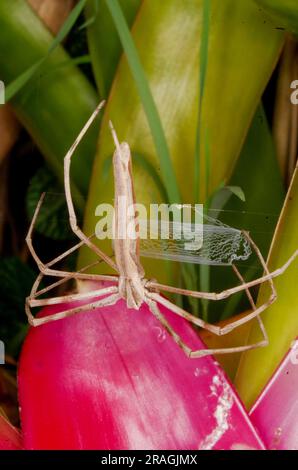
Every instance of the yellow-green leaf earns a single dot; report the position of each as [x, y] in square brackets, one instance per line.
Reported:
[243, 50]
[258, 216]
[283, 12]
[104, 43]
[259, 213]
[281, 319]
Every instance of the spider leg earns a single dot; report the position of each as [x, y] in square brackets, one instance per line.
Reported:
[217, 330]
[73, 297]
[238, 349]
[110, 300]
[72, 215]
[183, 313]
[195, 354]
[46, 268]
[32, 302]
[157, 313]
[78, 276]
[192, 354]
[228, 292]
[256, 311]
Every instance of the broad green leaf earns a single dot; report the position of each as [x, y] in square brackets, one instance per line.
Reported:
[167, 36]
[281, 319]
[204, 47]
[284, 13]
[53, 107]
[221, 198]
[104, 43]
[258, 214]
[81, 60]
[149, 105]
[14, 87]
[24, 78]
[263, 202]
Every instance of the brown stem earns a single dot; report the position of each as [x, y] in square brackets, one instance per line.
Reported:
[52, 12]
[285, 118]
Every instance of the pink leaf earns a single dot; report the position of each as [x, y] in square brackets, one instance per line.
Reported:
[10, 439]
[275, 412]
[113, 378]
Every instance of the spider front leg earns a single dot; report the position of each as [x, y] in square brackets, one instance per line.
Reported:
[72, 215]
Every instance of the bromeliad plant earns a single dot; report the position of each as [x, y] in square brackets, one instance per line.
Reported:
[110, 303]
[197, 134]
[10, 438]
[130, 284]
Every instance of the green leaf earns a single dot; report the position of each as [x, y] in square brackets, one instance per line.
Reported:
[263, 202]
[105, 53]
[259, 213]
[92, 15]
[150, 109]
[151, 171]
[221, 198]
[281, 318]
[54, 106]
[167, 36]
[202, 79]
[284, 13]
[237, 191]
[14, 87]
[67, 25]
[52, 221]
[82, 60]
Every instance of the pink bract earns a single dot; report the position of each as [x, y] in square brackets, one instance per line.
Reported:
[112, 378]
[10, 439]
[275, 412]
